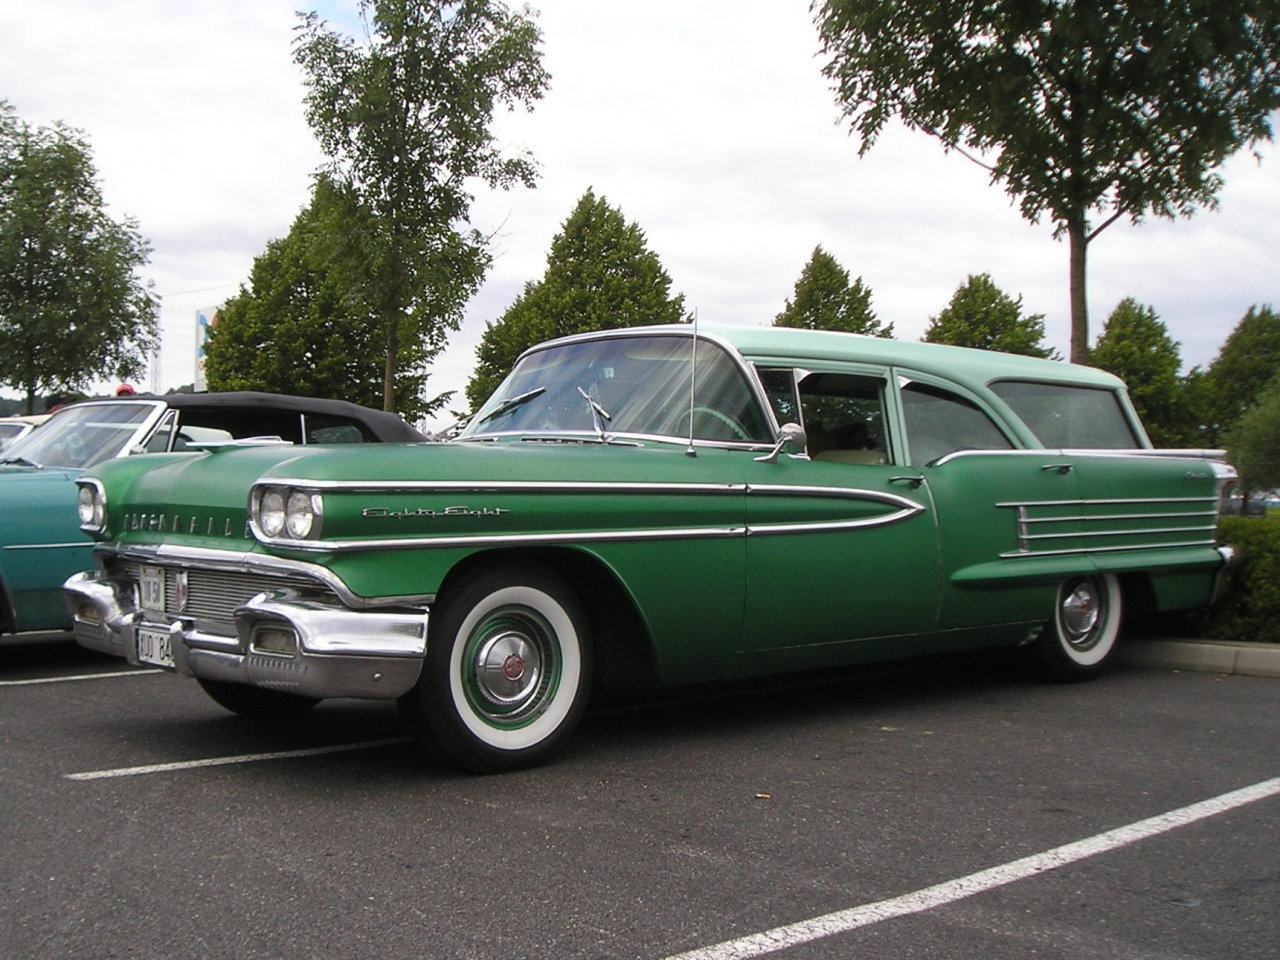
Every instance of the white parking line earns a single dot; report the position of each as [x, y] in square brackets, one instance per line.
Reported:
[223, 761]
[79, 676]
[781, 938]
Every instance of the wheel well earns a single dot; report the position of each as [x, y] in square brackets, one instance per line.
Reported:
[623, 651]
[8, 615]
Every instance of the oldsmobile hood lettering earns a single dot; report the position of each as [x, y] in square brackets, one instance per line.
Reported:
[459, 511]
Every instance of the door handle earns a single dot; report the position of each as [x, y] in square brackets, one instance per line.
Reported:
[914, 482]
[1062, 468]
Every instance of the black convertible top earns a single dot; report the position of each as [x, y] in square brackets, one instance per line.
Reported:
[251, 413]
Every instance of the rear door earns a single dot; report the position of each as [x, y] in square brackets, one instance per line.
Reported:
[843, 546]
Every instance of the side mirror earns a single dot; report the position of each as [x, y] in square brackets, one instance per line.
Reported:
[791, 441]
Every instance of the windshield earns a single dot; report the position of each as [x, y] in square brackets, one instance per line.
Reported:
[80, 436]
[1069, 417]
[626, 385]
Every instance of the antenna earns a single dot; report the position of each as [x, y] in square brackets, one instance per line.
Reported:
[693, 381]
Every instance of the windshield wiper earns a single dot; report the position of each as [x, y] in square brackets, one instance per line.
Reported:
[511, 404]
[22, 462]
[598, 415]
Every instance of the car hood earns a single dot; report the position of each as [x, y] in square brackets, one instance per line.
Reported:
[11, 473]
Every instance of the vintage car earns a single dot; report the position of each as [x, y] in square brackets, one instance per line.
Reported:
[13, 429]
[663, 505]
[40, 539]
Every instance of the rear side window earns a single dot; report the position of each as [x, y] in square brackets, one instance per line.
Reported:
[1061, 415]
[940, 422]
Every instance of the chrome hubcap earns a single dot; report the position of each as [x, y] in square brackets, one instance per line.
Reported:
[1080, 614]
[508, 669]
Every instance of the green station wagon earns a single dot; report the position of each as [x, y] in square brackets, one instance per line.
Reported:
[656, 505]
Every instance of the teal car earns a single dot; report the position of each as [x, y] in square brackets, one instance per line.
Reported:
[41, 543]
[656, 506]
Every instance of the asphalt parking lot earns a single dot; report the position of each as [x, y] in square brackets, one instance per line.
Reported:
[949, 811]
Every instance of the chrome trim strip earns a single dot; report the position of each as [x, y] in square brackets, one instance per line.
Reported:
[1106, 503]
[501, 486]
[45, 546]
[1123, 516]
[1115, 533]
[1020, 555]
[906, 508]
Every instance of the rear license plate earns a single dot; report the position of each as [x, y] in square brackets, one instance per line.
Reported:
[151, 589]
[155, 647]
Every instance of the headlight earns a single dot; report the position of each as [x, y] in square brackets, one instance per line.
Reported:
[271, 512]
[300, 514]
[91, 504]
[286, 512]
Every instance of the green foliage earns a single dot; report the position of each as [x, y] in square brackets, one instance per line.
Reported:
[601, 275]
[1251, 609]
[1247, 362]
[296, 330]
[406, 121]
[1135, 345]
[982, 315]
[1087, 111]
[825, 299]
[1253, 442]
[72, 308]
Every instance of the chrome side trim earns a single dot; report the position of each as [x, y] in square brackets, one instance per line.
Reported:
[1032, 544]
[905, 508]
[501, 486]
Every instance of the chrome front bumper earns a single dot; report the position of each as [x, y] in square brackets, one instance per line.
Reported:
[282, 641]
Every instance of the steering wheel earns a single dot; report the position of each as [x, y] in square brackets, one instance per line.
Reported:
[739, 432]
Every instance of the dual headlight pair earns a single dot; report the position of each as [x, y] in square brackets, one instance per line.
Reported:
[277, 511]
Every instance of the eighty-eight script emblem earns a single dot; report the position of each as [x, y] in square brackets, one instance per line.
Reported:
[431, 513]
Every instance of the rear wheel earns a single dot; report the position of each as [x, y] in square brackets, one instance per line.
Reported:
[1082, 634]
[507, 670]
[256, 702]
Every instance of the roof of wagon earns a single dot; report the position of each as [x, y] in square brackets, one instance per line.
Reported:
[960, 363]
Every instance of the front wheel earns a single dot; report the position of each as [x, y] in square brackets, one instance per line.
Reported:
[507, 670]
[1082, 634]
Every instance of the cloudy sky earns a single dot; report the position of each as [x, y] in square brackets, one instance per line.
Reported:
[706, 121]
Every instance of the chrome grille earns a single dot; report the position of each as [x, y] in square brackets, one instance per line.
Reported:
[214, 595]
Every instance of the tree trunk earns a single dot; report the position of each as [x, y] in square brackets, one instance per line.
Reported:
[1079, 245]
[389, 376]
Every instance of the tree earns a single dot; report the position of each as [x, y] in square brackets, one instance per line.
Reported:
[1247, 361]
[296, 330]
[72, 307]
[982, 315]
[1135, 345]
[1253, 442]
[405, 120]
[1089, 112]
[825, 299]
[601, 275]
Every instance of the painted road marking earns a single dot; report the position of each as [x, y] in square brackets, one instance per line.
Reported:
[842, 921]
[224, 761]
[81, 676]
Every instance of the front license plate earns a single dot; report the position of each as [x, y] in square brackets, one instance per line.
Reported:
[151, 589]
[155, 647]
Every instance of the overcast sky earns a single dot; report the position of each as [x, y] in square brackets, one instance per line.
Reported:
[706, 121]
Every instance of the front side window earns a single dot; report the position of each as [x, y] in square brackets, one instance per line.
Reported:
[1070, 417]
[940, 422]
[627, 385]
[82, 435]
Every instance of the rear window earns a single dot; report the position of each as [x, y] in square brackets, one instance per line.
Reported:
[1061, 415]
